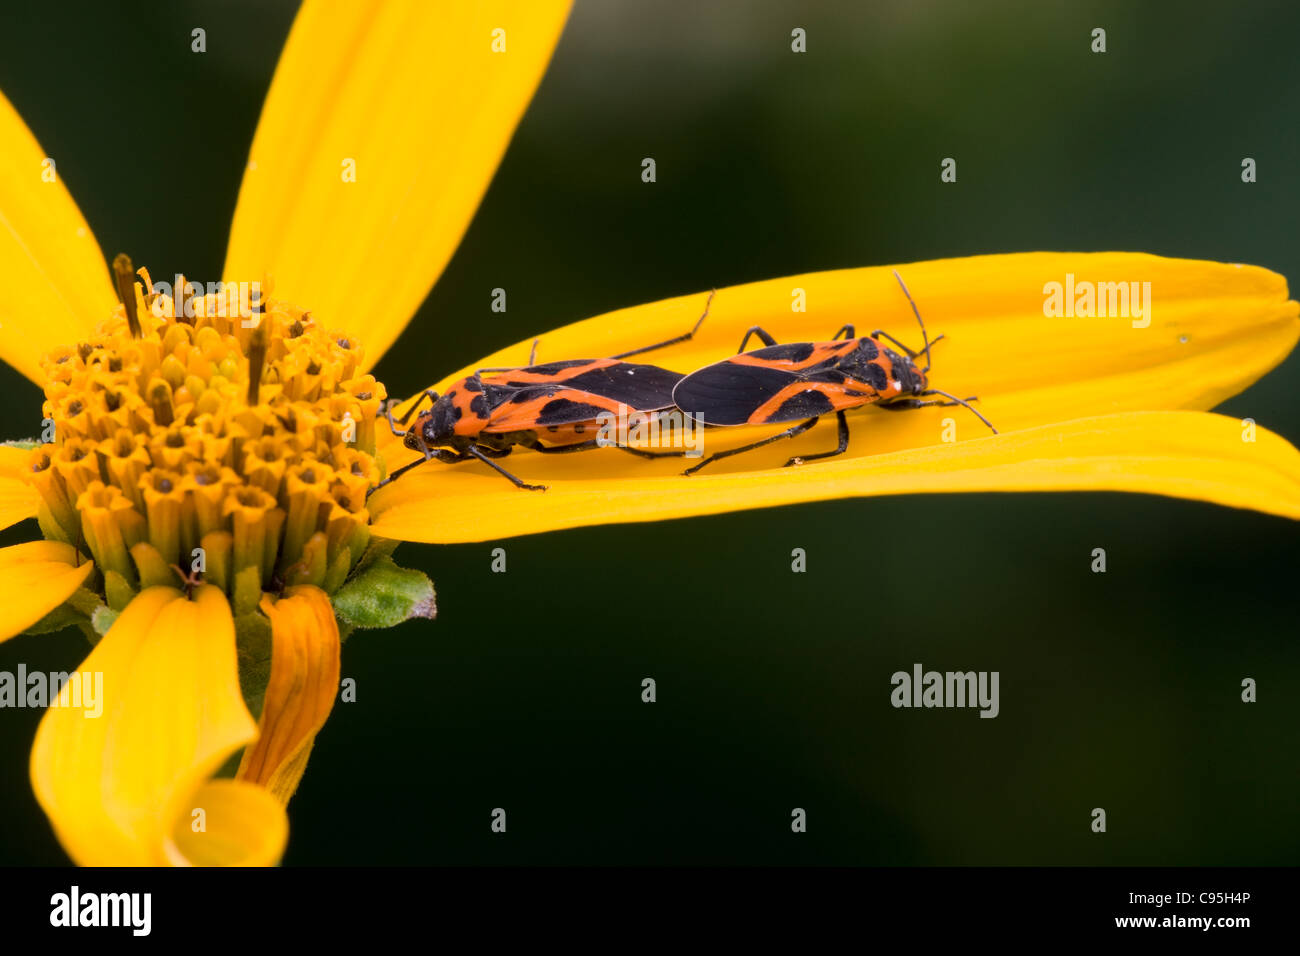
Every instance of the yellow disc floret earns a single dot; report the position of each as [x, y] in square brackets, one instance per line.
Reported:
[196, 436]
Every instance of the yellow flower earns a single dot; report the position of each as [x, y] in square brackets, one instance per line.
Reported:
[203, 491]
[181, 432]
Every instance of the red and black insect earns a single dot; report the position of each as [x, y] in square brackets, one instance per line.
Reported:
[802, 381]
[552, 408]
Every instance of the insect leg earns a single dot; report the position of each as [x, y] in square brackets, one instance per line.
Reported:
[586, 445]
[642, 453]
[788, 433]
[474, 451]
[685, 337]
[673, 341]
[559, 449]
[847, 331]
[504, 368]
[440, 454]
[755, 330]
[841, 449]
[532, 360]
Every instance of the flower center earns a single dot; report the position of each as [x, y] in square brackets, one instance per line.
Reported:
[196, 436]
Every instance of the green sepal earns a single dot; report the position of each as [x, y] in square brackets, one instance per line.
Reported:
[102, 619]
[27, 444]
[85, 601]
[338, 571]
[76, 611]
[376, 549]
[248, 590]
[384, 595]
[218, 547]
[310, 568]
[154, 571]
[118, 590]
[253, 648]
[49, 525]
[62, 616]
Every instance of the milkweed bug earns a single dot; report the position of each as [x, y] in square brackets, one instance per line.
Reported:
[550, 408]
[805, 380]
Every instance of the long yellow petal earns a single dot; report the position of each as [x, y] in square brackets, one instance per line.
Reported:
[410, 95]
[1212, 330]
[35, 578]
[120, 786]
[18, 499]
[304, 682]
[1193, 455]
[1215, 328]
[54, 285]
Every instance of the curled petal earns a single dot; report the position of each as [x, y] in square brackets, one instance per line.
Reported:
[244, 825]
[119, 786]
[300, 694]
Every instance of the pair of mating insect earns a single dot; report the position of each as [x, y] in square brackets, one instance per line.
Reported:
[553, 408]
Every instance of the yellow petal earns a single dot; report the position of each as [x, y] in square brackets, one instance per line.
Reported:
[1194, 455]
[18, 499]
[245, 825]
[121, 786]
[35, 578]
[300, 694]
[410, 94]
[1214, 329]
[54, 285]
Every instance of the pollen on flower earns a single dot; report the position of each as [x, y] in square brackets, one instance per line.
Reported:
[169, 457]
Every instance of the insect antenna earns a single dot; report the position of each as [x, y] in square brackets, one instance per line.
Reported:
[917, 313]
[965, 404]
[429, 394]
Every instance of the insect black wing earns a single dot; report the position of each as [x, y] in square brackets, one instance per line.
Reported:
[640, 387]
[728, 393]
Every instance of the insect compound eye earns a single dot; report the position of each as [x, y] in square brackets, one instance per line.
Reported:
[440, 422]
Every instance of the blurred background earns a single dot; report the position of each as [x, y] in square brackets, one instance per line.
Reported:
[1118, 690]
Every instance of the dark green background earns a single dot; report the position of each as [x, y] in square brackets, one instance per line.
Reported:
[1118, 690]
